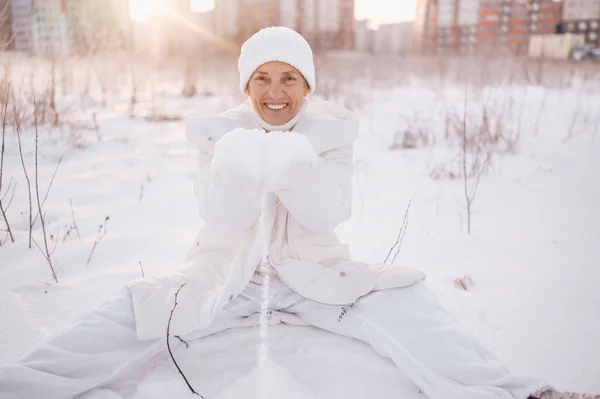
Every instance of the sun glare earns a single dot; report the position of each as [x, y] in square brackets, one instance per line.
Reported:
[143, 10]
[385, 11]
[203, 5]
[379, 11]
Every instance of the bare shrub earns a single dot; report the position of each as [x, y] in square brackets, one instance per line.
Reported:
[46, 250]
[27, 179]
[99, 236]
[3, 205]
[189, 78]
[475, 164]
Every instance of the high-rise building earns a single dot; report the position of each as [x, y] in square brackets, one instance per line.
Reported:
[98, 25]
[364, 37]
[22, 24]
[49, 27]
[484, 26]
[394, 39]
[7, 40]
[582, 17]
[324, 24]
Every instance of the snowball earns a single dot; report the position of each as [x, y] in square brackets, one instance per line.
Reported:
[285, 148]
[240, 150]
[262, 155]
[290, 155]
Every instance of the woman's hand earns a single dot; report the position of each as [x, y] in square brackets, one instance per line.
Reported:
[291, 161]
[238, 157]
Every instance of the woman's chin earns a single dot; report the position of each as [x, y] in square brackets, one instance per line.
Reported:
[278, 121]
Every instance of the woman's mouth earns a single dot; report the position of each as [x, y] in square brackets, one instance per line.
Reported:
[275, 106]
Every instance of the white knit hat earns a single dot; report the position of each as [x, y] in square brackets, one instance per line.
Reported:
[276, 44]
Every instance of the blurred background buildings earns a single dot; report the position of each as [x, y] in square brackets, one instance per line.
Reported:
[447, 27]
[484, 26]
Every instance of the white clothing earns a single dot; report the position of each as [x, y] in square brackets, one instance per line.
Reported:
[299, 222]
[425, 342]
[395, 313]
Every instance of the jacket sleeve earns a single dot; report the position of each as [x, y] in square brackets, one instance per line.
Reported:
[227, 199]
[325, 199]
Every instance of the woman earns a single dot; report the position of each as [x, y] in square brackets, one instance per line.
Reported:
[274, 181]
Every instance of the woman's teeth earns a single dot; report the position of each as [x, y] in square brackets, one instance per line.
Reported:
[276, 106]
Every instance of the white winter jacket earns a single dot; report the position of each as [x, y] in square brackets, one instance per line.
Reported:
[302, 245]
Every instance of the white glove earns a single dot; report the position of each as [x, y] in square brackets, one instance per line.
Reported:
[291, 161]
[239, 157]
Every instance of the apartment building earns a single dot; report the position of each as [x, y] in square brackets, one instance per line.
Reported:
[98, 25]
[22, 24]
[500, 26]
[582, 17]
[49, 27]
[325, 24]
[7, 40]
[394, 39]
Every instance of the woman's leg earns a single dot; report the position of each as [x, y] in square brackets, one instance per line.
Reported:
[99, 347]
[410, 326]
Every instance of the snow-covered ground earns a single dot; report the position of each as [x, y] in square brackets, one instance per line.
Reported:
[532, 254]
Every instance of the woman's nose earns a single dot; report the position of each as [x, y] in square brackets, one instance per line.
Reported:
[275, 90]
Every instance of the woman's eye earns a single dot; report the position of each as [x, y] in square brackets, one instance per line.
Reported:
[261, 78]
[290, 78]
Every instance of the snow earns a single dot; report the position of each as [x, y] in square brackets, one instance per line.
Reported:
[270, 381]
[242, 151]
[303, 361]
[262, 156]
[532, 254]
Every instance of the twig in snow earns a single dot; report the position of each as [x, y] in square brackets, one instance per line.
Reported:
[169, 344]
[464, 282]
[96, 127]
[141, 193]
[46, 252]
[182, 340]
[74, 222]
[3, 208]
[18, 130]
[471, 192]
[49, 187]
[73, 226]
[99, 236]
[134, 90]
[142, 268]
[398, 244]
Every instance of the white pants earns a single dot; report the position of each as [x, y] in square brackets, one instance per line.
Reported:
[407, 325]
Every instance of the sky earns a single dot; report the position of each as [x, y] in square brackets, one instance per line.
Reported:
[379, 11]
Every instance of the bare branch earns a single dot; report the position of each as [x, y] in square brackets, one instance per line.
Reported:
[49, 187]
[169, 344]
[73, 218]
[4, 208]
[398, 244]
[46, 251]
[99, 236]
[18, 130]
[464, 162]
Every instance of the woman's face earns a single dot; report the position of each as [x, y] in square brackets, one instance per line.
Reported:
[277, 91]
